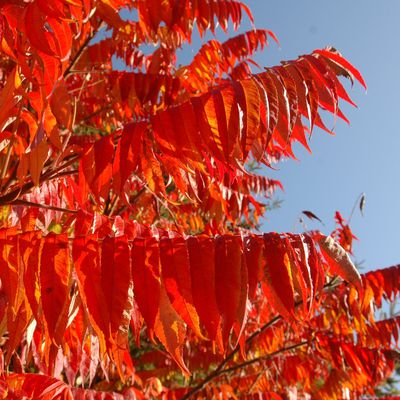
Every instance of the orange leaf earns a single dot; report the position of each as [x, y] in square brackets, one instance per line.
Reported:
[61, 105]
[202, 269]
[116, 283]
[86, 257]
[170, 330]
[231, 286]
[37, 158]
[177, 280]
[146, 279]
[55, 280]
[278, 275]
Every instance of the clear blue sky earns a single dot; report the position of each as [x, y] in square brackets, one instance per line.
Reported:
[362, 157]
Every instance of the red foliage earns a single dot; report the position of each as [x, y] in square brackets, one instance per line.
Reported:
[105, 176]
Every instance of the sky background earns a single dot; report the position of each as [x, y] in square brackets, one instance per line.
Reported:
[362, 157]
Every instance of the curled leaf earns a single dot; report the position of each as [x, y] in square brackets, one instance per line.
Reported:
[339, 260]
[311, 215]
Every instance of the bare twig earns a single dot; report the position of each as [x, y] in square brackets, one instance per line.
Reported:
[93, 114]
[161, 201]
[266, 357]
[45, 206]
[25, 188]
[219, 372]
[87, 86]
[78, 54]
[113, 206]
[358, 199]
[10, 145]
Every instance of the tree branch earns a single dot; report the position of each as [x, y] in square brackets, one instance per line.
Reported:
[76, 57]
[45, 206]
[25, 188]
[219, 372]
[10, 145]
[266, 357]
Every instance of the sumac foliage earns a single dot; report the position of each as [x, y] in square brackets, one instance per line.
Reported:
[131, 265]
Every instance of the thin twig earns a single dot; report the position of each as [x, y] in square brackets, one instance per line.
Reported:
[79, 52]
[85, 71]
[113, 206]
[266, 357]
[10, 145]
[354, 207]
[255, 382]
[87, 86]
[161, 201]
[230, 356]
[49, 175]
[93, 114]
[64, 173]
[45, 206]
[220, 372]
[55, 173]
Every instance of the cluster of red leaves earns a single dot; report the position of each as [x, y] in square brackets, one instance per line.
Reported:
[44, 276]
[75, 299]
[112, 305]
[274, 313]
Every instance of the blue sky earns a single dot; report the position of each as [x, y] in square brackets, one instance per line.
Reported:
[362, 157]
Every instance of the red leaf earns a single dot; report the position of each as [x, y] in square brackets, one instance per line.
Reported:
[231, 286]
[279, 284]
[116, 283]
[337, 58]
[86, 256]
[96, 166]
[55, 279]
[10, 268]
[37, 158]
[146, 279]
[254, 252]
[248, 97]
[62, 37]
[35, 386]
[177, 280]
[171, 330]
[30, 245]
[35, 29]
[127, 156]
[61, 105]
[202, 270]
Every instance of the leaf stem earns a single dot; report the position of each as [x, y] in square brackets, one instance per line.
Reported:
[10, 145]
[266, 357]
[218, 372]
[358, 199]
[19, 202]
[51, 174]
[78, 54]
